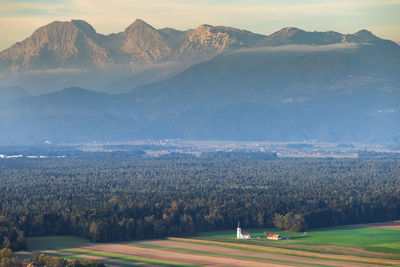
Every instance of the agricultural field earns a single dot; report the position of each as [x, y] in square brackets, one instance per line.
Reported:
[336, 246]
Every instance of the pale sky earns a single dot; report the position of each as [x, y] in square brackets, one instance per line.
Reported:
[19, 18]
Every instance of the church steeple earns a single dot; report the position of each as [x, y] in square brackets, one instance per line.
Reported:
[238, 231]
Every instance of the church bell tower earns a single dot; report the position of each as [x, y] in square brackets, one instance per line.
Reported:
[239, 231]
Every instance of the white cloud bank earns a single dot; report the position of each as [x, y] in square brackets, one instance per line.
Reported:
[301, 48]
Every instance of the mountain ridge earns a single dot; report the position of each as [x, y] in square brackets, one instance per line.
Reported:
[76, 43]
[72, 53]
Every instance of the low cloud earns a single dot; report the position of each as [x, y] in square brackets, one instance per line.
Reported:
[56, 71]
[301, 48]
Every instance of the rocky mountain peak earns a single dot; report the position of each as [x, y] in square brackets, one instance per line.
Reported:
[84, 26]
[139, 25]
[287, 31]
[143, 43]
[359, 37]
[208, 40]
[365, 35]
[204, 27]
[60, 44]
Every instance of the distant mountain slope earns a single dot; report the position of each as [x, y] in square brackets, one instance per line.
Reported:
[339, 93]
[140, 43]
[292, 35]
[12, 92]
[57, 45]
[332, 92]
[275, 75]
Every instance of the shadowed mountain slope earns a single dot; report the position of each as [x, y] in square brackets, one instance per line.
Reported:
[337, 93]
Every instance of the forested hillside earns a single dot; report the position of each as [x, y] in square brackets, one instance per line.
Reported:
[124, 198]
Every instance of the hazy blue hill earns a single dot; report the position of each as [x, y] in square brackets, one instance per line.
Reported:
[276, 77]
[328, 93]
[70, 115]
[67, 101]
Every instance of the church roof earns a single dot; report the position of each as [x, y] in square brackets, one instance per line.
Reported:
[245, 233]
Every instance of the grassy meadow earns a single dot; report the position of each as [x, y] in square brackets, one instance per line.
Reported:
[54, 242]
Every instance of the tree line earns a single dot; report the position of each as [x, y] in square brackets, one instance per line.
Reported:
[7, 259]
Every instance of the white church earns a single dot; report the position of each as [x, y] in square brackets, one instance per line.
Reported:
[242, 234]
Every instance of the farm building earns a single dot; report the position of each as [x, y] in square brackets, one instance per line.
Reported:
[242, 234]
[274, 237]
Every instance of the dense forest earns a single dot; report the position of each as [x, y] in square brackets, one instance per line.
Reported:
[125, 197]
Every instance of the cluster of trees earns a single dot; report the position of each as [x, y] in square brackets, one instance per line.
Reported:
[6, 257]
[10, 235]
[290, 222]
[45, 260]
[123, 198]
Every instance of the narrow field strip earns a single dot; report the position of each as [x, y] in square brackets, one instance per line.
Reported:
[290, 252]
[228, 255]
[126, 257]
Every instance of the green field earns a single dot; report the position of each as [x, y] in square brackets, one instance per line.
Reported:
[369, 239]
[53, 242]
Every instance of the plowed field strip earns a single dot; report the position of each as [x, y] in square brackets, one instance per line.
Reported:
[180, 256]
[127, 258]
[251, 256]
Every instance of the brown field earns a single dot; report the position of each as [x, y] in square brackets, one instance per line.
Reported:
[352, 251]
[175, 256]
[383, 225]
[231, 256]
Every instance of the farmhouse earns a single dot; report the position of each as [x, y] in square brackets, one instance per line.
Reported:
[242, 234]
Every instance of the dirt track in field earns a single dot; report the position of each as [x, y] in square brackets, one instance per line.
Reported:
[208, 260]
[383, 225]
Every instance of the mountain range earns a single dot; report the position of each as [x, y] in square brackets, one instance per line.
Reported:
[76, 44]
[207, 83]
[62, 54]
[74, 52]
